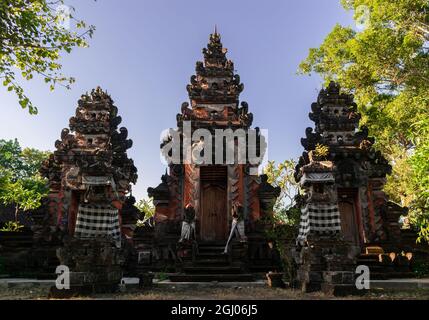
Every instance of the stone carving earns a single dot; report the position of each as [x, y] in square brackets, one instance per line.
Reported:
[267, 195]
[356, 174]
[90, 174]
[214, 104]
[188, 225]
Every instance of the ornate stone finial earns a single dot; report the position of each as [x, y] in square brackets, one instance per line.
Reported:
[161, 193]
[333, 87]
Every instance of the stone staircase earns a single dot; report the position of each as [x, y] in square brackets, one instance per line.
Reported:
[385, 266]
[210, 263]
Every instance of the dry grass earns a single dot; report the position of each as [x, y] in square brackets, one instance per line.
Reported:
[216, 294]
[220, 294]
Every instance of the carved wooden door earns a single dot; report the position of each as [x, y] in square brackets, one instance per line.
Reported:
[349, 225]
[213, 212]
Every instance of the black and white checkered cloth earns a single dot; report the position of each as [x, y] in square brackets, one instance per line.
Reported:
[319, 219]
[98, 221]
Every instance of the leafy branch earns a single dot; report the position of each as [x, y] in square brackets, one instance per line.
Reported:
[32, 40]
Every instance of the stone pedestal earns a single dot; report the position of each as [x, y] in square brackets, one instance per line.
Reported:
[326, 264]
[95, 266]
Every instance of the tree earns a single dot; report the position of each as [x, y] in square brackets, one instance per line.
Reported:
[287, 214]
[420, 181]
[281, 175]
[20, 182]
[386, 66]
[146, 208]
[33, 35]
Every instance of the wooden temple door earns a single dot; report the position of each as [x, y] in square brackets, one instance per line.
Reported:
[213, 213]
[349, 223]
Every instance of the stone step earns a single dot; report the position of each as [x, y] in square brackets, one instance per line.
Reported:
[219, 251]
[212, 269]
[240, 277]
[211, 255]
[207, 253]
[262, 269]
[367, 261]
[379, 276]
[219, 245]
[380, 270]
[400, 275]
[368, 258]
[212, 243]
[374, 265]
[46, 275]
[211, 262]
[390, 275]
[211, 249]
[401, 284]
[383, 271]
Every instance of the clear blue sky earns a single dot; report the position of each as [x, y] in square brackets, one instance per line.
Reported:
[144, 52]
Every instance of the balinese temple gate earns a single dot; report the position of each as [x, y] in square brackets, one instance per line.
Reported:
[88, 209]
[210, 205]
[213, 209]
[347, 220]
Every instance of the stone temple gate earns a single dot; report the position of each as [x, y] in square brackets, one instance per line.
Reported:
[200, 204]
[347, 219]
[212, 212]
[87, 213]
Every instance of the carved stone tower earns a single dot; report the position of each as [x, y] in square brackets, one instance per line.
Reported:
[343, 176]
[89, 178]
[210, 175]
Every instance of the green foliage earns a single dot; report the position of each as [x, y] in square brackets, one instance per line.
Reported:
[12, 226]
[420, 180]
[284, 223]
[386, 67]
[281, 175]
[161, 276]
[20, 182]
[283, 237]
[420, 268]
[33, 36]
[25, 193]
[147, 209]
[20, 163]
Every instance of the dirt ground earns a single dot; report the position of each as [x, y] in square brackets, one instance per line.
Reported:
[216, 294]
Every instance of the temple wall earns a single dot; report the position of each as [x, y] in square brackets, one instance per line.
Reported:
[163, 213]
[371, 212]
[233, 184]
[192, 186]
[253, 201]
[54, 207]
[240, 197]
[362, 214]
[177, 189]
[72, 211]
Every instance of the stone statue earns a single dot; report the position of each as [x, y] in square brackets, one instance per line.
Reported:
[188, 225]
[237, 225]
